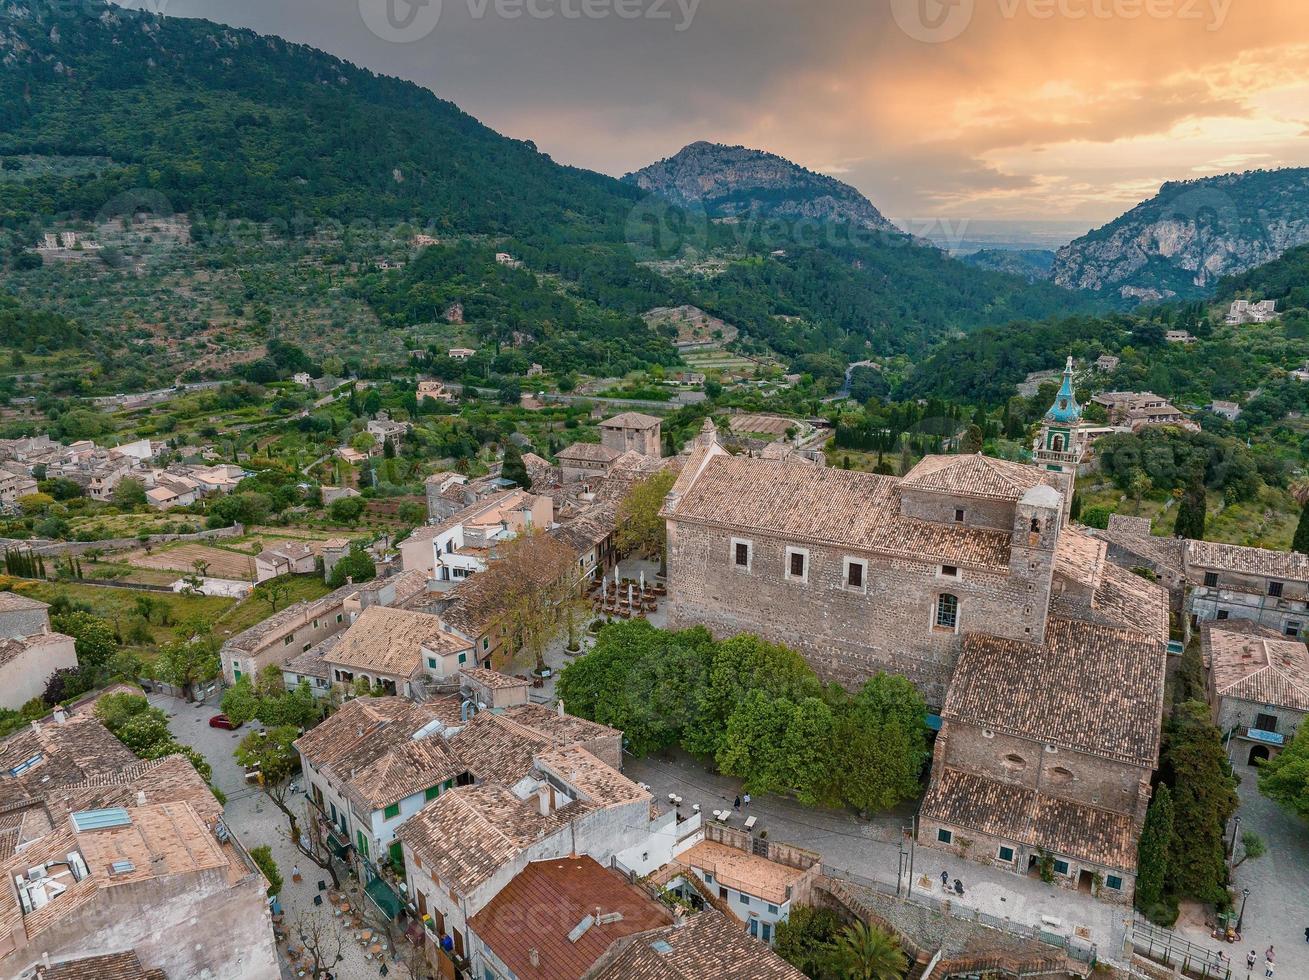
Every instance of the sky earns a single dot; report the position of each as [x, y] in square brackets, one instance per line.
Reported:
[1066, 111]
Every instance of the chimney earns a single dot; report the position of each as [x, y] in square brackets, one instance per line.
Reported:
[61, 715]
[543, 798]
[534, 957]
[140, 797]
[561, 707]
[36, 726]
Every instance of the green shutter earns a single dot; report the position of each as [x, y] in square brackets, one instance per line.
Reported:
[391, 811]
[397, 854]
[362, 842]
[463, 658]
[431, 793]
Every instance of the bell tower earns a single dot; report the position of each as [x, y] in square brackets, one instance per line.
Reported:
[1060, 445]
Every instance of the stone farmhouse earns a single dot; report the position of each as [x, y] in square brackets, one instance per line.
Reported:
[29, 651]
[1251, 311]
[1229, 581]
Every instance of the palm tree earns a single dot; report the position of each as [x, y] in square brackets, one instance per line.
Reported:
[868, 953]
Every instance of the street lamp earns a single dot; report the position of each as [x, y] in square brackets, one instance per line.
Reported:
[1245, 893]
[1236, 833]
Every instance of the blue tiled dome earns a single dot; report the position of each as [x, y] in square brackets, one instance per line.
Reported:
[1065, 408]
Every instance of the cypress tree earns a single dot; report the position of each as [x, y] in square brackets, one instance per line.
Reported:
[1204, 799]
[1301, 540]
[1154, 855]
[1191, 511]
[514, 468]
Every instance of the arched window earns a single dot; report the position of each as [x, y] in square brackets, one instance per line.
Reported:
[1057, 443]
[1059, 775]
[947, 611]
[1013, 761]
[1036, 525]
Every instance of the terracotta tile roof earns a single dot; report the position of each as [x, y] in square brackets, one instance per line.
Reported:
[563, 893]
[172, 779]
[975, 475]
[79, 749]
[561, 729]
[596, 782]
[707, 947]
[743, 871]
[391, 641]
[631, 420]
[1260, 669]
[496, 750]
[13, 601]
[492, 679]
[467, 834]
[311, 663]
[368, 747]
[1092, 688]
[1127, 599]
[111, 966]
[1024, 816]
[587, 452]
[1248, 561]
[254, 638]
[842, 508]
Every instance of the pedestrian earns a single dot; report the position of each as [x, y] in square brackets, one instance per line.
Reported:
[737, 804]
[945, 883]
[746, 799]
[295, 872]
[1306, 934]
[958, 887]
[1270, 961]
[1249, 962]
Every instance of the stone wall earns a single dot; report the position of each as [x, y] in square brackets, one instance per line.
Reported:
[848, 635]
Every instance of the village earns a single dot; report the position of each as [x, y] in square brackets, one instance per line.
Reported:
[433, 782]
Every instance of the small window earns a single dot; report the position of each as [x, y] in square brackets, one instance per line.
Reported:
[950, 571]
[1035, 526]
[338, 617]
[772, 909]
[1275, 589]
[1059, 775]
[486, 643]
[987, 733]
[1060, 867]
[286, 640]
[741, 553]
[1222, 614]
[1005, 854]
[709, 877]
[1114, 882]
[391, 811]
[944, 836]
[1210, 579]
[1292, 628]
[744, 898]
[431, 793]
[797, 564]
[1265, 723]
[431, 663]
[958, 515]
[722, 892]
[947, 612]
[1014, 761]
[463, 658]
[856, 573]
[1051, 748]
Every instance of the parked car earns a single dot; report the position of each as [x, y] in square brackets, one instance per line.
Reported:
[222, 721]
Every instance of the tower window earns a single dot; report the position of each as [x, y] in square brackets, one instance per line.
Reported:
[959, 515]
[1057, 444]
[1036, 525]
[947, 612]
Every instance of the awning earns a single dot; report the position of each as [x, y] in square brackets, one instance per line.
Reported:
[384, 898]
[339, 848]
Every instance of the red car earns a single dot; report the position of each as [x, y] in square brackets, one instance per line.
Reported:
[221, 721]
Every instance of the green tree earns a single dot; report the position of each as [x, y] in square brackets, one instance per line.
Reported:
[514, 468]
[274, 591]
[1285, 779]
[880, 745]
[93, 637]
[640, 529]
[355, 565]
[1300, 543]
[971, 440]
[187, 662]
[346, 510]
[1154, 859]
[240, 703]
[1204, 799]
[129, 493]
[262, 856]
[807, 940]
[775, 744]
[1191, 509]
[866, 952]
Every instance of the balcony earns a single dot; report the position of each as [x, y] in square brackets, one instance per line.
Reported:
[1266, 737]
[1053, 456]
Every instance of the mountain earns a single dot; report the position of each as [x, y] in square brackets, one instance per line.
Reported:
[733, 182]
[1033, 264]
[1285, 279]
[1192, 233]
[212, 120]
